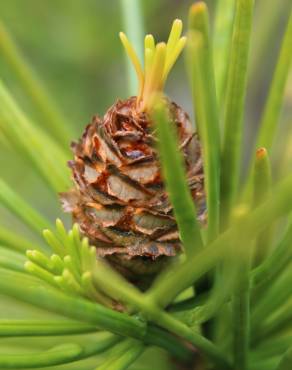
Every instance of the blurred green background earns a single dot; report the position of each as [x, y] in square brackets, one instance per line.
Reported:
[73, 46]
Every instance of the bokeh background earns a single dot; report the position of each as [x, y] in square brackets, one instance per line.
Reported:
[73, 46]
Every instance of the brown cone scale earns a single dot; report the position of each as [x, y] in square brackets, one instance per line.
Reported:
[119, 200]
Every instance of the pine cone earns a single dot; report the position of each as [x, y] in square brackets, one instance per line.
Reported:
[119, 200]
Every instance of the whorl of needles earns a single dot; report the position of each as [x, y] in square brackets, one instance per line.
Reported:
[158, 60]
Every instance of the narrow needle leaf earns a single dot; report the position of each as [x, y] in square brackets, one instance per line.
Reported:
[275, 263]
[133, 23]
[14, 328]
[149, 42]
[14, 241]
[58, 355]
[48, 158]
[39, 258]
[262, 187]
[175, 280]
[122, 355]
[154, 83]
[72, 307]
[241, 313]
[176, 184]
[174, 36]
[134, 58]
[273, 105]
[11, 260]
[40, 272]
[286, 360]
[171, 59]
[21, 209]
[221, 44]
[50, 115]
[204, 95]
[234, 106]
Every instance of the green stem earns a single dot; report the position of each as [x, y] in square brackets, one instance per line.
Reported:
[204, 96]
[16, 328]
[133, 23]
[204, 345]
[107, 279]
[12, 284]
[234, 106]
[58, 355]
[70, 306]
[55, 356]
[180, 276]
[122, 355]
[54, 121]
[161, 338]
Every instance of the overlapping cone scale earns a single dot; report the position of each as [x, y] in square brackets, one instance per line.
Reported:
[119, 200]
